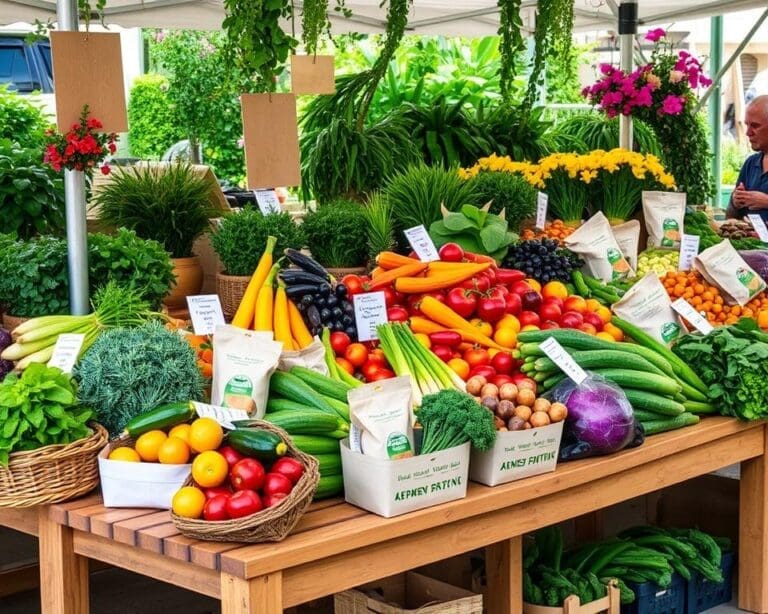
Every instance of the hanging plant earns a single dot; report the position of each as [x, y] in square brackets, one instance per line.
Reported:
[314, 19]
[511, 43]
[85, 11]
[256, 45]
[553, 39]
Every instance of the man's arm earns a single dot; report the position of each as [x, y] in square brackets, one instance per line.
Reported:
[734, 211]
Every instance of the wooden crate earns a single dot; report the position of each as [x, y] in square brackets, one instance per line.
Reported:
[610, 604]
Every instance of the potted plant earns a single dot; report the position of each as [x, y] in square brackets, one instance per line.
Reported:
[337, 236]
[169, 204]
[239, 240]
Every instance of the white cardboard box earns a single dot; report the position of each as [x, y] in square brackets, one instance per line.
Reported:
[393, 487]
[517, 455]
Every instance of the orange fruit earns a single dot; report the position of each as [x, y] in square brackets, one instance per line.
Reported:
[604, 313]
[181, 431]
[509, 321]
[593, 304]
[148, 445]
[614, 331]
[482, 326]
[505, 337]
[554, 289]
[460, 367]
[205, 434]
[207, 355]
[174, 451]
[762, 319]
[205, 368]
[605, 336]
[125, 454]
[530, 327]
[209, 469]
[535, 285]
[188, 502]
[198, 342]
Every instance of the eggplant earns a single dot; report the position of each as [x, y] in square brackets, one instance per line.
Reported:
[295, 292]
[307, 263]
[293, 277]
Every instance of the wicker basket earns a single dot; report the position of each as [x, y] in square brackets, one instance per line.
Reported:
[52, 474]
[11, 322]
[231, 289]
[269, 525]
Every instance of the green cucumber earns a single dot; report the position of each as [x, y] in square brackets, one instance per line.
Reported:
[322, 384]
[596, 359]
[298, 423]
[330, 464]
[291, 387]
[627, 378]
[659, 426]
[316, 444]
[648, 401]
[697, 407]
[278, 404]
[643, 415]
[161, 417]
[341, 408]
[259, 444]
[329, 486]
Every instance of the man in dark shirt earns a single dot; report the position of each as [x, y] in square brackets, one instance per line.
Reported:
[751, 193]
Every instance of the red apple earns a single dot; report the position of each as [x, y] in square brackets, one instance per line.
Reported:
[520, 287]
[451, 252]
[514, 304]
[487, 371]
[550, 311]
[503, 363]
[548, 324]
[500, 380]
[555, 300]
[595, 320]
[571, 319]
[529, 317]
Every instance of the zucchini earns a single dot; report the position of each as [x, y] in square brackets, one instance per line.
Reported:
[297, 423]
[644, 415]
[277, 404]
[161, 417]
[330, 464]
[696, 407]
[342, 409]
[263, 445]
[329, 486]
[292, 388]
[316, 444]
[322, 384]
[626, 378]
[670, 424]
[597, 359]
[648, 401]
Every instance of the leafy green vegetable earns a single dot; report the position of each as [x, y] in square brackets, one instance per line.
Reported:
[39, 408]
[336, 234]
[450, 418]
[475, 230]
[734, 364]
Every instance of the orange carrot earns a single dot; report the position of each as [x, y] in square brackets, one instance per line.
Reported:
[442, 314]
[439, 281]
[407, 270]
[391, 260]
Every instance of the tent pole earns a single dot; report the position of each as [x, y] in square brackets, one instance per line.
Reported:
[627, 31]
[715, 103]
[74, 200]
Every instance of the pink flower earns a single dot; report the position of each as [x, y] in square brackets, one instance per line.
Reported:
[653, 81]
[655, 34]
[672, 105]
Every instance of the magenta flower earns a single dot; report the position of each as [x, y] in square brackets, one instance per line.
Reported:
[655, 34]
[672, 105]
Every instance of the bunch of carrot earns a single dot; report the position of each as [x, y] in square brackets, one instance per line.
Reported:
[411, 276]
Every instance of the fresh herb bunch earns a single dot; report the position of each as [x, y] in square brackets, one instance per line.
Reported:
[31, 194]
[506, 191]
[39, 408]
[379, 225]
[450, 418]
[130, 371]
[240, 237]
[543, 260]
[167, 204]
[476, 230]
[336, 234]
[697, 223]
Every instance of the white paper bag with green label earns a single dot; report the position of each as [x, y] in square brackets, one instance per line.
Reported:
[595, 243]
[243, 362]
[648, 306]
[664, 213]
[381, 418]
[627, 235]
[311, 357]
[722, 266]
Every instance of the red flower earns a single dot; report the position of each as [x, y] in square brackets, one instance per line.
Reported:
[105, 170]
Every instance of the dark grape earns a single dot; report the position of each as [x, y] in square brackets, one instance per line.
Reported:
[331, 301]
[341, 291]
[325, 314]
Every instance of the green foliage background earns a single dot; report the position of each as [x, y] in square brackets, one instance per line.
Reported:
[153, 125]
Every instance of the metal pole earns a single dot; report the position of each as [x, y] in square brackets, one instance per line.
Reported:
[627, 31]
[715, 103]
[74, 200]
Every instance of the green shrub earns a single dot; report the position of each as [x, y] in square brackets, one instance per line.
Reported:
[598, 131]
[31, 193]
[336, 234]
[240, 238]
[379, 224]
[21, 120]
[506, 191]
[153, 126]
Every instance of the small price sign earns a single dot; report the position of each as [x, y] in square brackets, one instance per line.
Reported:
[689, 249]
[66, 350]
[564, 360]
[688, 311]
[267, 201]
[370, 311]
[225, 416]
[542, 202]
[758, 223]
[422, 243]
[205, 312]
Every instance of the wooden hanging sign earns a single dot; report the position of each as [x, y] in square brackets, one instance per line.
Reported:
[88, 69]
[271, 132]
[312, 74]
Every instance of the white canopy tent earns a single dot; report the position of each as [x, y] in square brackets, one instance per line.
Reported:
[446, 17]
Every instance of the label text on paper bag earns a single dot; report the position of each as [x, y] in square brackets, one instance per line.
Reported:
[525, 462]
[421, 491]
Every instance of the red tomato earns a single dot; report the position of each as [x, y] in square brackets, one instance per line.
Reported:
[443, 352]
[491, 308]
[448, 338]
[216, 491]
[353, 283]
[462, 301]
[356, 354]
[550, 311]
[503, 363]
[247, 474]
[346, 365]
[555, 300]
[500, 380]
[276, 482]
[216, 508]
[476, 357]
[513, 302]
[487, 371]
[509, 276]
[390, 296]
[451, 252]
[232, 455]
[378, 357]
[274, 499]
[520, 287]
[289, 467]
[548, 324]
[397, 313]
[571, 319]
[380, 374]
[587, 328]
[523, 381]
[528, 317]
[370, 367]
[480, 283]
[340, 342]
[244, 503]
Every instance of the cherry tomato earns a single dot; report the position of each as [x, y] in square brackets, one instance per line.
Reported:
[380, 374]
[247, 474]
[397, 313]
[216, 508]
[346, 365]
[390, 296]
[340, 342]
[356, 354]
[451, 252]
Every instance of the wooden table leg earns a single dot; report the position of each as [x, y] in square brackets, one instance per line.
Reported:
[63, 574]
[504, 573]
[263, 594]
[753, 535]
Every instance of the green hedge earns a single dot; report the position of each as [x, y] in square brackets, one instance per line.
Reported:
[153, 125]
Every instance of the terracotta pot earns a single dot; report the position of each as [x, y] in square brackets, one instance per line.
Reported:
[189, 281]
[11, 322]
[231, 289]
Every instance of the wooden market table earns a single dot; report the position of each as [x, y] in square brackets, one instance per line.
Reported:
[337, 546]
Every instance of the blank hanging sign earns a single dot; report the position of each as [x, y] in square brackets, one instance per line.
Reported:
[88, 69]
[312, 74]
[271, 134]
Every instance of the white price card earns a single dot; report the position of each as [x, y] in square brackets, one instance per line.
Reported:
[563, 359]
[370, 311]
[205, 312]
[758, 223]
[689, 249]
[66, 350]
[225, 416]
[688, 311]
[267, 201]
[542, 202]
[422, 243]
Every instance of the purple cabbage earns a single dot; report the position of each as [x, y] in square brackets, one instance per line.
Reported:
[757, 259]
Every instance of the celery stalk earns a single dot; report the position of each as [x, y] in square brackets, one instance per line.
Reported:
[395, 356]
[66, 324]
[418, 352]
